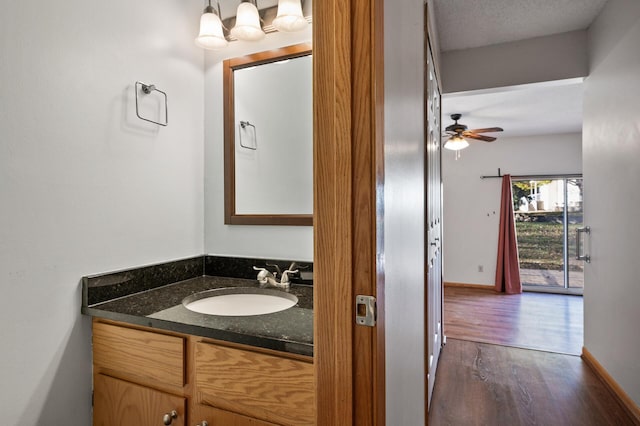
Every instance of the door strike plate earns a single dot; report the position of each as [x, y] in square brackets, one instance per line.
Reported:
[366, 310]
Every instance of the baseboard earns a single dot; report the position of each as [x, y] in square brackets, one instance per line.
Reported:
[466, 285]
[629, 405]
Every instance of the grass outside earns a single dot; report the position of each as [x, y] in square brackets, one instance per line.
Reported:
[540, 246]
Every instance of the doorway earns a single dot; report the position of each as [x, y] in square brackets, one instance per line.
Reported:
[548, 212]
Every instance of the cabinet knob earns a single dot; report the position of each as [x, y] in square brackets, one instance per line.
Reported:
[168, 418]
[203, 423]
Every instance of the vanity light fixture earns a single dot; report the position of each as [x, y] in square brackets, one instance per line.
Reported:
[289, 18]
[211, 35]
[250, 23]
[248, 26]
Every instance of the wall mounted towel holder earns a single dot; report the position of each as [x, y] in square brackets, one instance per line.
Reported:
[246, 127]
[147, 89]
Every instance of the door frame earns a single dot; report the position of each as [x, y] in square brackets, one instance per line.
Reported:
[348, 209]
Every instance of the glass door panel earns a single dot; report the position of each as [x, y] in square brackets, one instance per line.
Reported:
[547, 212]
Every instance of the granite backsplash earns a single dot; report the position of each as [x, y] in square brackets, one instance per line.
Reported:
[100, 288]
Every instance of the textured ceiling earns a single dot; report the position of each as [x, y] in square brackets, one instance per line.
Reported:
[551, 108]
[464, 24]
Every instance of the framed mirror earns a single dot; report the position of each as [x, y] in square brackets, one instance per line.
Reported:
[268, 137]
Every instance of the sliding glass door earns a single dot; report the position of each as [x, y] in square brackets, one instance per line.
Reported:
[547, 212]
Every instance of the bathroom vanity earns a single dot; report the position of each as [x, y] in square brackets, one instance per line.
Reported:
[156, 362]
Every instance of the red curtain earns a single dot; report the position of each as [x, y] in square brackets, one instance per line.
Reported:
[508, 266]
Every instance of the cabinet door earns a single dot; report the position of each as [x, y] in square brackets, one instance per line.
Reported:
[120, 403]
[216, 417]
[263, 386]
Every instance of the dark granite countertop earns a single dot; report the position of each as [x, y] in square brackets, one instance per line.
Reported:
[161, 307]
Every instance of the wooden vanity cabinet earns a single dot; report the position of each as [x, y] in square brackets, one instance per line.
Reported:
[142, 375]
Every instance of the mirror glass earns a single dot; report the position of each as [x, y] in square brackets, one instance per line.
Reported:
[269, 138]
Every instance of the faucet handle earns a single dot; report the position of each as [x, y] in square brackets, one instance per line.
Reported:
[263, 275]
[285, 276]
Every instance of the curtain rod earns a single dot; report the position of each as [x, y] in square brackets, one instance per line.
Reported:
[547, 176]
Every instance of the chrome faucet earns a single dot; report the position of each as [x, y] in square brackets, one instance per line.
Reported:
[268, 278]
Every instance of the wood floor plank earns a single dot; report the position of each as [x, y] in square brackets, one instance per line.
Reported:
[484, 384]
[548, 322]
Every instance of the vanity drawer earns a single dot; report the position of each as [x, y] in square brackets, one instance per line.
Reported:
[149, 356]
[268, 387]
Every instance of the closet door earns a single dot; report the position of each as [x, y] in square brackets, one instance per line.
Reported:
[433, 224]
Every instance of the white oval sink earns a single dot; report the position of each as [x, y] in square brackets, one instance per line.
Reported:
[240, 301]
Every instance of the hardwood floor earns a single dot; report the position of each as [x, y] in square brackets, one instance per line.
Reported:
[484, 384]
[547, 322]
[511, 360]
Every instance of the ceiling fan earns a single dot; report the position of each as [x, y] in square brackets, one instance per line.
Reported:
[458, 132]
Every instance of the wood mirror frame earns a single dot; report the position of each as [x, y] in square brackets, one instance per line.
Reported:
[231, 217]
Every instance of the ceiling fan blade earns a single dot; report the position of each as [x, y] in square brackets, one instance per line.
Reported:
[487, 130]
[472, 135]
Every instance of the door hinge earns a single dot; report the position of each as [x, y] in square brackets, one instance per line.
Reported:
[366, 310]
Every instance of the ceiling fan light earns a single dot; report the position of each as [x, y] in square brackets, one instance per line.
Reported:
[247, 23]
[456, 143]
[289, 18]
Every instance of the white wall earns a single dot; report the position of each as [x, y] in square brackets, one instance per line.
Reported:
[611, 155]
[283, 242]
[550, 58]
[404, 212]
[472, 205]
[85, 186]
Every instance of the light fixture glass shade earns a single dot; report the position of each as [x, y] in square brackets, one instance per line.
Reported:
[456, 143]
[211, 36]
[289, 16]
[247, 23]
